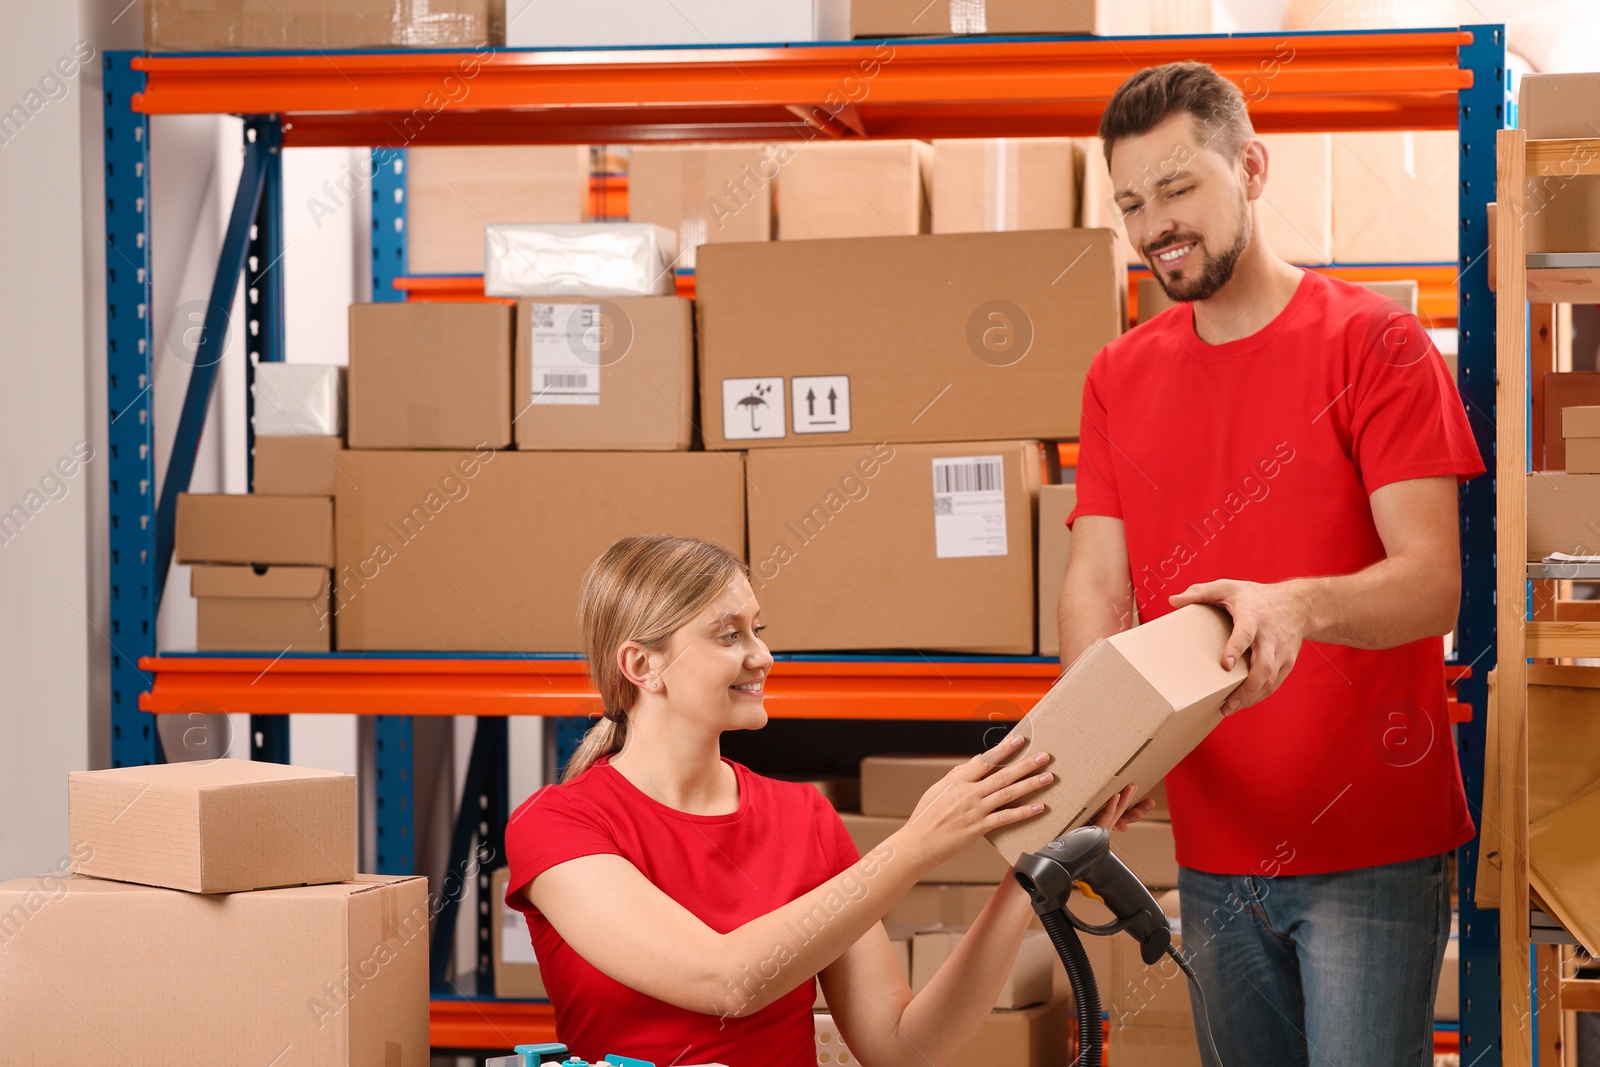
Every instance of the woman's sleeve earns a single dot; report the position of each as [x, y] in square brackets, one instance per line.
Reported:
[550, 828]
[837, 845]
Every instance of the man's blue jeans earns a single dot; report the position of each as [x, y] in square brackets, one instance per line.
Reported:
[1319, 970]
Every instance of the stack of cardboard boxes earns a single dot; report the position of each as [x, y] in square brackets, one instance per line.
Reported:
[229, 887]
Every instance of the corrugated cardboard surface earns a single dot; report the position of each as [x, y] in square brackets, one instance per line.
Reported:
[453, 192]
[275, 609]
[1055, 504]
[844, 551]
[894, 785]
[318, 976]
[706, 193]
[430, 375]
[511, 978]
[442, 551]
[1563, 514]
[948, 337]
[1296, 207]
[214, 826]
[1562, 390]
[296, 466]
[855, 189]
[1394, 197]
[978, 863]
[1583, 455]
[893, 18]
[1558, 105]
[254, 528]
[204, 25]
[1165, 679]
[1005, 183]
[1580, 421]
[645, 363]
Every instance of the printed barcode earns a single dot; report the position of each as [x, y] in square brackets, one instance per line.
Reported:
[565, 381]
[982, 476]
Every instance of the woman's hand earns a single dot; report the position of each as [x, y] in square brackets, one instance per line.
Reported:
[1118, 815]
[973, 799]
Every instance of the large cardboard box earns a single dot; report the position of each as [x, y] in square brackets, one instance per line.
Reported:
[256, 25]
[1563, 514]
[1150, 1022]
[481, 552]
[254, 528]
[1028, 982]
[1005, 183]
[598, 23]
[894, 785]
[516, 965]
[927, 547]
[855, 189]
[1562, 390]
[296, 466]
[1030, 1037]
[940, 904]
[1296, 207]
[1055, 504]
[271, 609]
[214, 826]
[1562, 212]
[605, 375]
[430, 375]
[453, 192]
[96, 971]
[978, 863]
[1394, 197]
[1148, 850]
[916, 18]
[946, 337]
[1127, 710]
[706, 193]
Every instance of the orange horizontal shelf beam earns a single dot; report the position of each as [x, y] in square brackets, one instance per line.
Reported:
[490, 1024]
[945, 88]
[801, 689]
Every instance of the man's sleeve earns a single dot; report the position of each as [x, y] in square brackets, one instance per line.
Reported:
[1096, 478]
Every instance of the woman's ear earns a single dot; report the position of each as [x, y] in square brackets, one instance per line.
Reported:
[634, 660]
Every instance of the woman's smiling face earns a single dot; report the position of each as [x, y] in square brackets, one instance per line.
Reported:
[715, 667]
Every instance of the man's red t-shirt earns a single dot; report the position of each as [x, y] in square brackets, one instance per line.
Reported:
[1254, 460]
[783, 842]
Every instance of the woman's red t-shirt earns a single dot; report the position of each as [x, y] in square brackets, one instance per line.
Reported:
[782, 842]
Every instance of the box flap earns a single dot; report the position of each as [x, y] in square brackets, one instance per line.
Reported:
[278, 583]
[1564, 866]
[1180, 654]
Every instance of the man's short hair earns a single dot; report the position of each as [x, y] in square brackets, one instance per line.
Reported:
[1155, 94]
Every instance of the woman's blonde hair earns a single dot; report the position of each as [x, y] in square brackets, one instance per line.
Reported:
[640, 589]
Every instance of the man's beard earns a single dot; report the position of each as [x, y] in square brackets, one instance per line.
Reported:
[1216, 273]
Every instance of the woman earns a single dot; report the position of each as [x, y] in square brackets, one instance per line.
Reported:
[681, 905]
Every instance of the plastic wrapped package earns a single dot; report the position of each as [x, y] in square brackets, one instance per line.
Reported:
[298, 398]
[579, 259]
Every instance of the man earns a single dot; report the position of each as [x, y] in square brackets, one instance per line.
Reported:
[1286, 445]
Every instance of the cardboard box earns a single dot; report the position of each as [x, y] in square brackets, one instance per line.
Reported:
[1558, 105]
[900, 941]
[978, 863]
[1154, 1046]
[259, 25]
[706, 193]
[1055, 504]
[316, 976]
[1027, 984]
[894, 785]
[1153, 299]
[1562, 390]
[855, 189]
[516, 966]
[297, 400]
[940, 905]
[430, 375]
[1581, 421]
[1005, 183]
[499, 567]
[1394, 197]
[915, 18]
[1029, 1037]
[1564, 867]
[273, 609]
[1147, 996]
[605, 374]
[1563, 514]
[949, 337]
[1148, 850]
[1403, 292]
[869, 547]
[1295, 211]
[1165, 679]
[214, 826]
[296, 466]
[254, 528]
[1583, 455]
[453, 192]
[1562, 213]
[598, 23]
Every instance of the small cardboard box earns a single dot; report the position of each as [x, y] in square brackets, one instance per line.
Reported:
[855, 189]
[1562, 390]
[1581, 421]
[943, 337]
[214, 826]
[1583, 455]
[270, 609]
[1394, 197]
[257, 25]
[317, 976]
[516, 966]
[977, 863]
[254, 528]
[1148, 850]
[454, 191]
[297, 400]
[1027, 984]
[473, 552]
[296, 466]
[894, 785]
[871, 547]
[706, 193]
[1005, 183]
[1562, 213]
[430, 375]
[1127, 710]
[603, 375]
[1055, 504]
[1563, 514]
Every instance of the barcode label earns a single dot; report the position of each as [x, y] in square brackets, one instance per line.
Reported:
[565, 343]
[969, 507]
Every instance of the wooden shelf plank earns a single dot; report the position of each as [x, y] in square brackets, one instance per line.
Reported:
[1563, 640]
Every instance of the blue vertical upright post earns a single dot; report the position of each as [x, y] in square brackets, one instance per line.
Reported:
[264, 343]
[131, 462]
[392, 734]
[1484, 109]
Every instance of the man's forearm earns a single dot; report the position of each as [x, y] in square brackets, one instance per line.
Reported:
[1393, 602]
[1086, 614]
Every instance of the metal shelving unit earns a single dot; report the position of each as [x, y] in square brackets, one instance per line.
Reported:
[1414, 80]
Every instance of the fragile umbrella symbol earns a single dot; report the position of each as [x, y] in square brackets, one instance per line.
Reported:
[757, 398]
